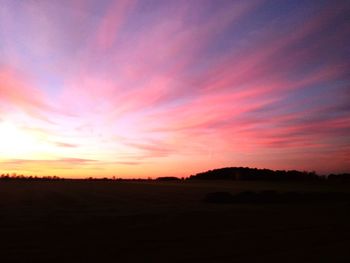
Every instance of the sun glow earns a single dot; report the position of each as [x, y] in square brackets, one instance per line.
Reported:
[16, 143]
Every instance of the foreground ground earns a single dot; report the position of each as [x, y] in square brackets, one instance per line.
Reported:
[82, 221]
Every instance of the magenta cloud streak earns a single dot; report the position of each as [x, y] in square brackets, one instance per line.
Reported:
[177, 87]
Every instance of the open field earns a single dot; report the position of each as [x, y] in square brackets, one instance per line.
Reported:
[97, 221]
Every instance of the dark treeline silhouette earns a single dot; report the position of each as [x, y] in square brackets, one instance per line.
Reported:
[168, 178]
[246, 173]
[227, 173]
[11, 177]
[20, 177]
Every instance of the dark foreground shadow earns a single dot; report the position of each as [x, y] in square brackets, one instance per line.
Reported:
[274, 197]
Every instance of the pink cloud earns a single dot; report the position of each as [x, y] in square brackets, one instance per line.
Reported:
[57, 161]
[111, 23]
[17, 91]
[175, 82]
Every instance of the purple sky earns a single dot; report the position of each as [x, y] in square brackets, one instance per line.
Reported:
[150, 88]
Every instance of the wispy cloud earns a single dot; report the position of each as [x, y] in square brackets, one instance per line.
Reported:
[68, 145]
[61, 161]
[162, 85]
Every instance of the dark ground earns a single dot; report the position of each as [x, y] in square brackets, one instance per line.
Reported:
[82, 221]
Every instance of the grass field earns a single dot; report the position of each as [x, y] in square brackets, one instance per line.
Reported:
[98, 221]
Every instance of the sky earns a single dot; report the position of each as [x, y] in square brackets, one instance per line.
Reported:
[154, 88]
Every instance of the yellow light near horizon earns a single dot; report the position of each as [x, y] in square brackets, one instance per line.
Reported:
[16, 143]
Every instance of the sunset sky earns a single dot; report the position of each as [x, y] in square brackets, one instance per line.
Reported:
[171, 88]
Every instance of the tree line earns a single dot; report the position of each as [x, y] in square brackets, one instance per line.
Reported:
[227, 173]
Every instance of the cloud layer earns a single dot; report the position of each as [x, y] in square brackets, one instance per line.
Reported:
[149, 88]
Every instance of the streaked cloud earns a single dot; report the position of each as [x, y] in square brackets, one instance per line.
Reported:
[145, 88]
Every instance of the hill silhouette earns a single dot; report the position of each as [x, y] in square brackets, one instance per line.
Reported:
[246, 173]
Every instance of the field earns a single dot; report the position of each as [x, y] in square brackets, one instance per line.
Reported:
[111, 221]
